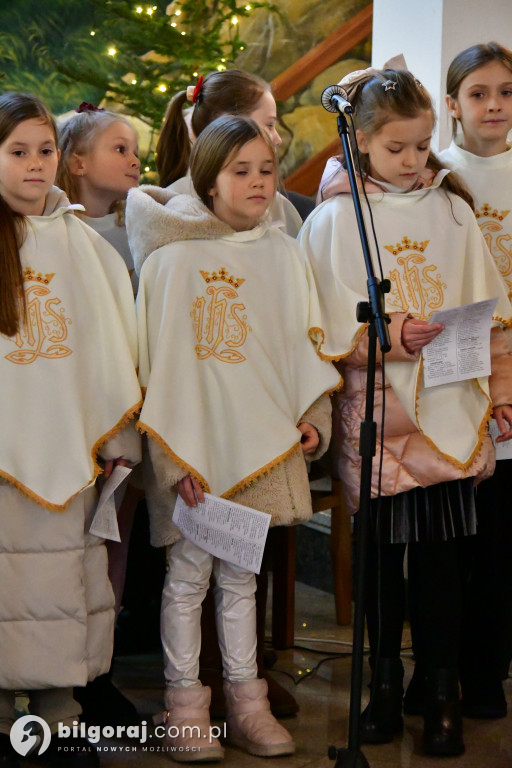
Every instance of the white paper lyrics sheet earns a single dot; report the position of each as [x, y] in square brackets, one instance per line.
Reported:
[104, 523]
[503, 450]
[463, 349]
[227, 530]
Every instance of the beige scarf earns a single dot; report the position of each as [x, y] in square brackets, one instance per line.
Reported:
[67, 380]
[435, 256]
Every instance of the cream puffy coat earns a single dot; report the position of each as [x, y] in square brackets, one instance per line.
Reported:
[284, 491]
[57, 605]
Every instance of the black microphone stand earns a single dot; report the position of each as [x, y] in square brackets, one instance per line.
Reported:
[373, 313]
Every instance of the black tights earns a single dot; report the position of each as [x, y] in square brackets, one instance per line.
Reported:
[437, 586]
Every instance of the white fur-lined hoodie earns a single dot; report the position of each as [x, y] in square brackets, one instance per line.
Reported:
[156, 217]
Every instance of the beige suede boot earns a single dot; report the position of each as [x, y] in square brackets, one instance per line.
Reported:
[188, 732]
[250, 723]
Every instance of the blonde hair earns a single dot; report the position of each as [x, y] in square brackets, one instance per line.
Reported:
[214, 147]
[76, 136]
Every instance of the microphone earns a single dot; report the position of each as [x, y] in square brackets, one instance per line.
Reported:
[334, 99]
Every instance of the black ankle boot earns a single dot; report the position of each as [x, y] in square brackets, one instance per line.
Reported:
[104, 704]
[382, 718]
[442, 735]
[416, 693]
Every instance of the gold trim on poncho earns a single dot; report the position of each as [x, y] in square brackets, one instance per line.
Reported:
[225, 354]
[67, 379]
[435, 257]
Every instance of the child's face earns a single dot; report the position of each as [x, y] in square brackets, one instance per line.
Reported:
[398, 152]
[265, 115]
[28, 166]
[111, 165]
[245, 187]
[484, 108]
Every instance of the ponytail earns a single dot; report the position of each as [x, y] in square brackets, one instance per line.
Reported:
[173, 148]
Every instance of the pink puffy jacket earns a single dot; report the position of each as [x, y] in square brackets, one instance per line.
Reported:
[409, 460]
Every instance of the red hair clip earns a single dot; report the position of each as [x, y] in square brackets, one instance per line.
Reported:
[197, 90]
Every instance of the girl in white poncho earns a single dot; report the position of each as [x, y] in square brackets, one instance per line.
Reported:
[435, 439]
[99, 163]
[232, 92]
[479, 88]
[235, 393]
[68, 389]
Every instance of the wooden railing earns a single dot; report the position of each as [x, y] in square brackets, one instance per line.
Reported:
[306, 178]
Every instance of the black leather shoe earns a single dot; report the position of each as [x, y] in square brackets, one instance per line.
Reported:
[8, 755]
[442, 734]
[382, 718]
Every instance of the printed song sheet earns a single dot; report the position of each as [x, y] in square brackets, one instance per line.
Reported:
[227, 530]
[104, 523]
[463, 349]
[503, 450]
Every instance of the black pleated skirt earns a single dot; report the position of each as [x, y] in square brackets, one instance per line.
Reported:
[437, 513]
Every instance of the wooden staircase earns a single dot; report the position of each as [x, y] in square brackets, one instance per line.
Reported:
[307, 178]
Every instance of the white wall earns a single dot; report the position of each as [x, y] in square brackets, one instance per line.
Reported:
[430, 33]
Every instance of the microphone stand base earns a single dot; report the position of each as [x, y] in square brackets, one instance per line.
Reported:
[348, 758]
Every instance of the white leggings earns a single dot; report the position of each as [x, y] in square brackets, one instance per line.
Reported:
[185, 587]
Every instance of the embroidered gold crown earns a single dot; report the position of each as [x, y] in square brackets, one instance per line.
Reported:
[222, 276]
[407, 245]
[491, 213]
[29, 274]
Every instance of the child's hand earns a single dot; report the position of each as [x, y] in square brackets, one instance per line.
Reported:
[417, 333]
[190, 491]
[109, 465]
[503, 416]
[310, 438]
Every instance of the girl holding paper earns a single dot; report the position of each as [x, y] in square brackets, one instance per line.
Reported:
[435, 439]
[68, 354]
[479, 88]
[235, 398]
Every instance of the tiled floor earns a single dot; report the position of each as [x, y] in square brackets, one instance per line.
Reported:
[323, 698]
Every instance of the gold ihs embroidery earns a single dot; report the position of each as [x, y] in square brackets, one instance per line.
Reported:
[414, 288]
[499, 243]
[219, 323]
[46, 326]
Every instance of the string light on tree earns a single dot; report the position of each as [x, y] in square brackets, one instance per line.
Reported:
[148, 50]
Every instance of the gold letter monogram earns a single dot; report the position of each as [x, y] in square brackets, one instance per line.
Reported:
[45, 329]
[499, 245]
[413, 289]
[219, 323]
